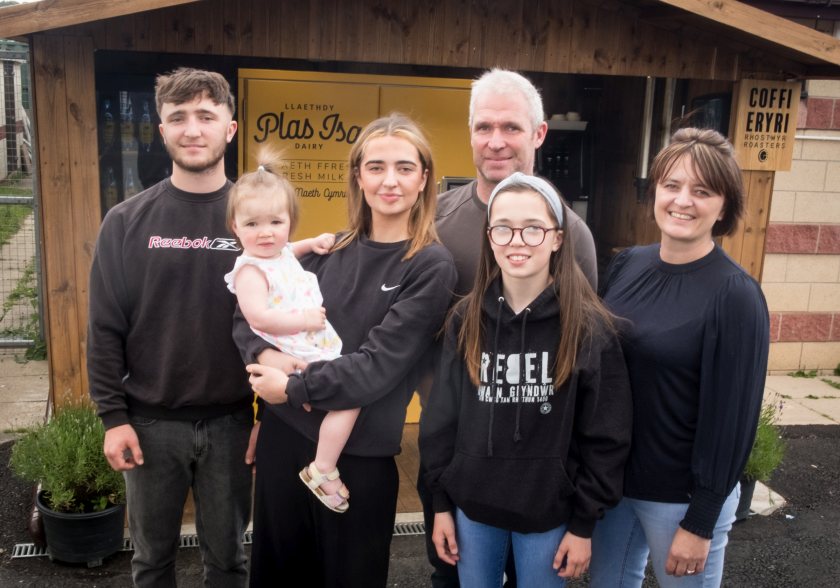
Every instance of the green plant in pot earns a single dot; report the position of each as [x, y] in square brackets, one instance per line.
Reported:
[78, 487]
[767, 453]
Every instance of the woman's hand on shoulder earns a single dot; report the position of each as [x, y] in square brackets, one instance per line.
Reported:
[573, 555]
[688, 554]
[443, 536]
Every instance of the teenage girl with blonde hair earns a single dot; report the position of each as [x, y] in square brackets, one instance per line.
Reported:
[387, 284]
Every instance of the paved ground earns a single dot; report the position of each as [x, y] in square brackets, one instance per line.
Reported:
[24, 387]
[795, 546]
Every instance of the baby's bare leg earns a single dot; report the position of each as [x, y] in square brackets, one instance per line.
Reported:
[335, 430]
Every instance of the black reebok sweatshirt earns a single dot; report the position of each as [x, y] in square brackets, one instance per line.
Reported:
[159, 341]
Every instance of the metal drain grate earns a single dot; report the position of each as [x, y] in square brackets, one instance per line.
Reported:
[403, 529]
[28, 550]
[22, 550]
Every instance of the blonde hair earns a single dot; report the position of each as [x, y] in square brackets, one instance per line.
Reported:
[421, 221]
[264, 182]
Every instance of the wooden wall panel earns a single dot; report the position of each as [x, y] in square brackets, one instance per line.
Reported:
[142, 30]
[746, 245]
[578, 36]
[261, 33]
[245, 27]
[558, 37]
[400, 30]
[501, 24]
[156, 31]
[478, 16]
[350, 33]
[295, 28]
[436, 17]
[181, 27]
[57, 217]
[84, 173]
[230, 26]
[591, 52]
[322, 30]
[456, 27]
[120, 33]
[534, 34]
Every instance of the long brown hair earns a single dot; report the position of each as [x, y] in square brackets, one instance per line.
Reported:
[421, 227]
[580, 309]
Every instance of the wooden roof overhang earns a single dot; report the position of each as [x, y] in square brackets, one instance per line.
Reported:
[46, 15]
[745, 28]
[816, 53]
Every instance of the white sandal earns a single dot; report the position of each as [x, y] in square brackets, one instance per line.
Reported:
[313, 479]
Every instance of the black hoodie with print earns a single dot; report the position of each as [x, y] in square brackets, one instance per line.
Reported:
[516, 452]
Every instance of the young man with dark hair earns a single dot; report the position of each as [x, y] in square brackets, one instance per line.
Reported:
[164, 372]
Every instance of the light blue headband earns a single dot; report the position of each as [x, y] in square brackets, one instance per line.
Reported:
[538, 185]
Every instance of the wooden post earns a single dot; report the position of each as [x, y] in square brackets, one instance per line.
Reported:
[746, 245]
[66, 114]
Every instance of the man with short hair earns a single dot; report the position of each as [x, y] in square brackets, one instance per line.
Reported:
[164, 372]
[507, 126]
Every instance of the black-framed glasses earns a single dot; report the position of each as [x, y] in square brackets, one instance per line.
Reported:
[532, 236]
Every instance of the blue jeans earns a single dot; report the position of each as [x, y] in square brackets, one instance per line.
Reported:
[635, 529]
[209, 457]
[484, 551]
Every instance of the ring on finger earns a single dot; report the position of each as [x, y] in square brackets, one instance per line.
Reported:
[689, 572]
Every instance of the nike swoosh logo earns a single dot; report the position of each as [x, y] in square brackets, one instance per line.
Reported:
[389, 288]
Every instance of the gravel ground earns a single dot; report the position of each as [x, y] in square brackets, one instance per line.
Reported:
[797, 546]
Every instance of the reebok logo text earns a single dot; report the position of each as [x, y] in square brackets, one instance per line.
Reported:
[219, 243]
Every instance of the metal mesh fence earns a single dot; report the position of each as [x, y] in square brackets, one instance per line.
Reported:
[19, 302]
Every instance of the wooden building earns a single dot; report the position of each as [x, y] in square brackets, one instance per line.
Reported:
[629, 68]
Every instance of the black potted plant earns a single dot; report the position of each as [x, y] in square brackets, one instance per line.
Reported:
[82, 500]
[766, 455]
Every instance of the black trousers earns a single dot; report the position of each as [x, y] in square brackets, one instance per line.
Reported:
[300, 542]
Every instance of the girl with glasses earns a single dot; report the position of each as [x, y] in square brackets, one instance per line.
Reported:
[528, 423]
